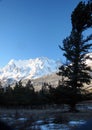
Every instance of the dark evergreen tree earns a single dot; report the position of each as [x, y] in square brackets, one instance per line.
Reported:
[1, 95]
[30, 93]
[44, 94]
[30, 86]
[18, 93]
[75, 48]
[20, 84]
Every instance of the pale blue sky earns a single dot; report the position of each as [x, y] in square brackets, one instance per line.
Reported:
[33, 28]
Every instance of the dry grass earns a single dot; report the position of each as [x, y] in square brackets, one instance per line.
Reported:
[46, 113]
[32, 116]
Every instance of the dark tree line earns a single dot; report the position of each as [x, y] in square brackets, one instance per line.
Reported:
[26, 97]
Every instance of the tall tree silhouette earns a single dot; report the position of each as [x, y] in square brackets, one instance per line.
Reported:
[75, 48]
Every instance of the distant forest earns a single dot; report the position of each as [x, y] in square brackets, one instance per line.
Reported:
[26, 97]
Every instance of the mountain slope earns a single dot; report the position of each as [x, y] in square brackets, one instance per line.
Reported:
[27, 69]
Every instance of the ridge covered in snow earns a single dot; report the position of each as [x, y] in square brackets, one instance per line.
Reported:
[17, 70]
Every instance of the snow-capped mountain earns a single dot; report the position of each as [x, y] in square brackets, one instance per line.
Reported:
[16, 70]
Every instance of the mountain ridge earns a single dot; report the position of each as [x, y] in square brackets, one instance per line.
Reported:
[33, 69]
[17, 70]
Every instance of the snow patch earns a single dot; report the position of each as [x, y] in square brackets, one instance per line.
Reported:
[76, 123]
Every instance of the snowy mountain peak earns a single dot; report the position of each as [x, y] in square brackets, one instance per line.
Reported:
[16, 70]
[11, 62]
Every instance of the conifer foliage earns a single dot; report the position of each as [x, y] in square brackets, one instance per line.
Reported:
[75, 48]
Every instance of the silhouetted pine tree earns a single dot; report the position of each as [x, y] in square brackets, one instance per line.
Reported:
[75, 48]
[30, 86]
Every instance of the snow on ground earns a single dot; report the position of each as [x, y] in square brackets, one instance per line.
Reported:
[54, 127]
[51, 126]
[89, 107]
[76, 123]
[41, 124]
[22, 119]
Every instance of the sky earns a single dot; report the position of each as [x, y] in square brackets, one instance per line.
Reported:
[34, 28]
